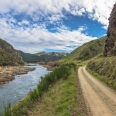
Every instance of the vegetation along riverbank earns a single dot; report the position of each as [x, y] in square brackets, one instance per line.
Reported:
[58, 94]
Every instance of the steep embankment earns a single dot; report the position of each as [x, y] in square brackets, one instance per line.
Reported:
[106, 69]
[86, 51]
[8, 55]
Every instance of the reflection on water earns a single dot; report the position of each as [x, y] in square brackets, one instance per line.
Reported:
[21, 86]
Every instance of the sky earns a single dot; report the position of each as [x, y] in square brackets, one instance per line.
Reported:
[53, 25]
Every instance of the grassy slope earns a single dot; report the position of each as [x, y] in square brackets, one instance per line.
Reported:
[86, 51]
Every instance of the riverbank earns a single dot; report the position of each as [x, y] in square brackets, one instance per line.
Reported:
[7, 73]
[58, 90]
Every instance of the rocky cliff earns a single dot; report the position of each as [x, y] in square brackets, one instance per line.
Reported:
[110, 46]
[8, 55]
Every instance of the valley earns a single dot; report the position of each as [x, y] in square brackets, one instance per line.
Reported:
[80, 83]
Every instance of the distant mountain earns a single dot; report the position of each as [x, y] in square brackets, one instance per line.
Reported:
[30, 57]
[87, 50]
[51, 56]
[8, 55]
[42, 56]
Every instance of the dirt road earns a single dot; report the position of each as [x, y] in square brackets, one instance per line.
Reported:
[100, 100]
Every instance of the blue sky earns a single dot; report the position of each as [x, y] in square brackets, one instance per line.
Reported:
[53, 25]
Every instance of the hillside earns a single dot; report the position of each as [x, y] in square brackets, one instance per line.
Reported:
[42, 56]
[8, 55]
[86, 51]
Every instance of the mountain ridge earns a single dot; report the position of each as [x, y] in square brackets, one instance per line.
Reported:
[41, 56]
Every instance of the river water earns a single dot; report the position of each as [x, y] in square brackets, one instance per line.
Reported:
[20, 86]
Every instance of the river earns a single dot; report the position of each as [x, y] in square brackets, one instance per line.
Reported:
[17, 89]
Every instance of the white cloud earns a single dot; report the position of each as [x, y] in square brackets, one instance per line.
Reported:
[82, 28]
[97, 9]
[38, 38]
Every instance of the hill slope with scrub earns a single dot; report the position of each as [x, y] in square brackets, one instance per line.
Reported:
[8, 55]
[86, 51]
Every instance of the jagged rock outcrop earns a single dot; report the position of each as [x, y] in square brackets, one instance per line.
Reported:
[8, 55]
[110, 46]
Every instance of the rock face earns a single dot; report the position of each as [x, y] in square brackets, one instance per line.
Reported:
[8, 55]
[110, 46]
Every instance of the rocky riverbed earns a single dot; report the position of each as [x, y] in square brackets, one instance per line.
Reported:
[7, 73]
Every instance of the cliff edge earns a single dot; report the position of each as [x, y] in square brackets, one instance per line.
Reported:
[110, 45]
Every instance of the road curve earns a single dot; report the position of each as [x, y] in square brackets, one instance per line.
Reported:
[100, 99]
